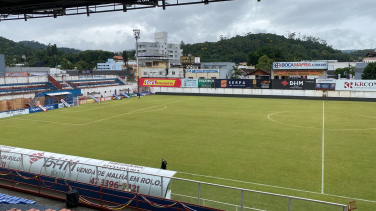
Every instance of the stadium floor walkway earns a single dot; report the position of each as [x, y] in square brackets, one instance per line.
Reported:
[43, 201]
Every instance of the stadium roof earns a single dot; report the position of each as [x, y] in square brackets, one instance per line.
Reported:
[28, 9]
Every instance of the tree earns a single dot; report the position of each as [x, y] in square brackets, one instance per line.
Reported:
[234, 73]
[345, 72]
[125, 57]
[369, 72]
[264, 63]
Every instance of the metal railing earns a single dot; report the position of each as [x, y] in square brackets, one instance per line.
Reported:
[199, 183]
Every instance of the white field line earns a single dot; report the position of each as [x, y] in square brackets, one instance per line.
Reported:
[99, 120]
[279, 187]
[269, 115]
[69, 110]
[322, 151]
[337, 129]
[192, 197]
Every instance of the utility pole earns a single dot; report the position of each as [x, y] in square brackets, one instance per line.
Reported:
[136, 33]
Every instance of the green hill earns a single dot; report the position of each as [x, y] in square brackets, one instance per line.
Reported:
[238, 48]
[361, 53]
[11, 48]
[37, 45]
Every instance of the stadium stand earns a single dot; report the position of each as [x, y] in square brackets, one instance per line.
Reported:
[25, 88]
[88, 83]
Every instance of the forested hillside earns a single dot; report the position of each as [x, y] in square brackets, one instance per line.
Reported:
[256, 49]
[37, 45]
[361, 53]
[237, 49]
[51, 55]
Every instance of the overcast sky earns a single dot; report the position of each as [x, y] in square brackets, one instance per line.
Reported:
[344, 24]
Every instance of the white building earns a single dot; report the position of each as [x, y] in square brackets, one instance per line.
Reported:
[110, 65]
[162, 73]
[160, 46]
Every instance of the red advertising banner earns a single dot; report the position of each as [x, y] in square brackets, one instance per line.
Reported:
[16, 74]
[160, 82]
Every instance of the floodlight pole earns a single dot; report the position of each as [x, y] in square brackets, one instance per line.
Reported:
[136, 33]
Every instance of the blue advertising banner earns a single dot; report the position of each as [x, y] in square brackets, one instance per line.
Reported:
[37, 109]
[233, 83]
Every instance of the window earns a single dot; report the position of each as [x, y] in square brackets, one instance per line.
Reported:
[145, 73]
[202, 77]
[173, 72]
[160, 73]
[190, 77]
[213, 77]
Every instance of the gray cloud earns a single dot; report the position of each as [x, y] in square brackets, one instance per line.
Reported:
[345, 24]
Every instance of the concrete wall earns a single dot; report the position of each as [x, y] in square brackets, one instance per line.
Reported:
[269, 92]
[9, 97]
[106, 91]
[18, 80]
[27, 69]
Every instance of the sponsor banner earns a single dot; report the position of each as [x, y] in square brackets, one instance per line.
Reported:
[105, 99]
[298, 73]
[233, 83]
[37, 74]
[192, 83]
[14, 113]
[261, 84]
[202, 71]
[38, 109]
[156, 82]
[113, 175]
[326, 81]
[134, 95]
[356, 85]
[145, 93]
[16, 74]
[301, 84]
[86, 101]
[206, 83]
[60, 105]
[300, 65]
[325, 86]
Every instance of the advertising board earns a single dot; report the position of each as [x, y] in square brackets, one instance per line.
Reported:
[356, 85]
[105, 99]
[233, 83]
[325, 84]
[37, 74]
[16, 74]
[261, 84]
[157, 82]
[206, 83]
[86, 101]
[297, 73]
[299, 84]
[202, 71]
[300, 65]
[38, 109]
[87, 170]
[14, 113]
[191, 83]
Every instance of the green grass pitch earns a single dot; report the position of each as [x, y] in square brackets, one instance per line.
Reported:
[271, 145]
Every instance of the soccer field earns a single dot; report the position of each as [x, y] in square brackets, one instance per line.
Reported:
[324, 150]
